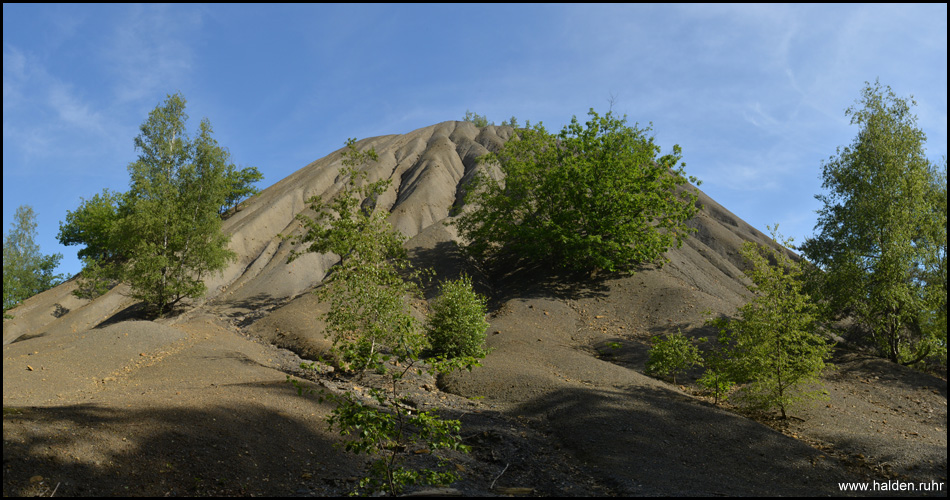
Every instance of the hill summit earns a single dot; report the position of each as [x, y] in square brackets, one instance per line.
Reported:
[197, 403]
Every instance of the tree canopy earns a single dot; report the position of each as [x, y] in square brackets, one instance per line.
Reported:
[882, 232]
[595, 196]
[367, 294]
[370, 321]
[477, 119]
[26, 271]
[164, 235]
[773, 343]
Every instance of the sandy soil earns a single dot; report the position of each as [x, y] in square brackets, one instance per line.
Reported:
[202, 407]
[98, 402]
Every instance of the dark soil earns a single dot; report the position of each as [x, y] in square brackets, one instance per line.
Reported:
[208, 411]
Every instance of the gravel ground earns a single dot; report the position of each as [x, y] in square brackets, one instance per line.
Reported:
[202, 408]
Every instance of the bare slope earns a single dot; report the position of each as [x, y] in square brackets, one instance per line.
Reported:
[567, 366]
[427, 167]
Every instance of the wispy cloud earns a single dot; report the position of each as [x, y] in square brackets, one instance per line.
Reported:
[73, 112]
[149, 52]
[14, 75]
[753, 114]
[45, 118]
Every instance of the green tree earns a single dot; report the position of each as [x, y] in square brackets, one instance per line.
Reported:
[240, 186]
[479, 120]
[672, 355]
[369, 322]
[717, 377]
[511, 122]
[95, 224]
[881, 241]
[164, 235]
[366, 292]
[594, 197]
[456, 326]
[26, 271]
[933, 269]
[773, 345]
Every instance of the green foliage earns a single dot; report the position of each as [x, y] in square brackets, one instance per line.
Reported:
[772, 345]
[240, 186]
[594, 197]
[672, 355]
[163, 236]
[97, 278]
[511, 122]
[456, 327]
[366, 291]
[477, 119]
[97, 225]
[94, 224]
[370, 322]
[26, 272]
[717, 377]
[882, 242]
[391, 435]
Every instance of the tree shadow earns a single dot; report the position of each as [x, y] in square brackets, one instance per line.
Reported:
[862, 366]
[140, 311]
[505, 279]
[540, 280]
[448, 262]
[643, 440]
[253, 308]
[240, 449]
[59, 311]
[135, 312]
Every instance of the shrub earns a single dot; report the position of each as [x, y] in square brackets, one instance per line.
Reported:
[717, 377]
[370, 323]
[596, 196]
[773, 346]
[672, 355]
[456, 327]
[477, 119]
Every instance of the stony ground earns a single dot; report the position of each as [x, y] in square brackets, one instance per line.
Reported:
[560, 407]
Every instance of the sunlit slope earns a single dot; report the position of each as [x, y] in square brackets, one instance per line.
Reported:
[429, 169]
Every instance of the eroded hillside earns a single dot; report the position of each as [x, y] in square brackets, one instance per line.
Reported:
[102, 402]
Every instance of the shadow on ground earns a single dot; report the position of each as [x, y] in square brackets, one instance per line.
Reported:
[646, 441]
[220, 450]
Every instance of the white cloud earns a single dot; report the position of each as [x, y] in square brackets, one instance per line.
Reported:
[14, 75]
[754, 115]
[72, 111]
[149, 54]
[43, 117]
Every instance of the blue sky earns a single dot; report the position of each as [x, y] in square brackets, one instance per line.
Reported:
[755, 95]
